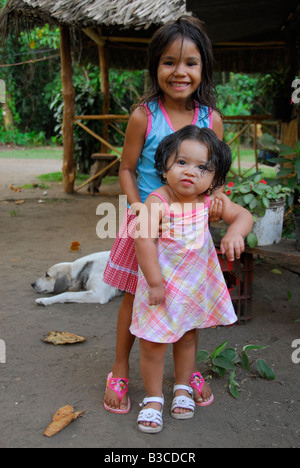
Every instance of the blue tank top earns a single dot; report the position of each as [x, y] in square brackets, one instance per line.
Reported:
[160, 126]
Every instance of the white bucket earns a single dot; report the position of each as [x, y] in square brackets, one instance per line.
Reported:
[268, 229]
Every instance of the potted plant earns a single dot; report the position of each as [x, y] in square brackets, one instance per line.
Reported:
[267, 205]
[290, 173]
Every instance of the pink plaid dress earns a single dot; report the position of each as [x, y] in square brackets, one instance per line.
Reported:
[196, 295]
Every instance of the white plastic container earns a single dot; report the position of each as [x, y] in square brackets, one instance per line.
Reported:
[268, 229]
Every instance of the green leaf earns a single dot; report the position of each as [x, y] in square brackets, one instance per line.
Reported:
[230, 354]
[276, 271]
[245, 189]
[250, 347]
[245, 361]
[253, 204]
[257, 178]
[265, 370]
[233, 386]
[219, 370]
[252, 240]
[286, 150]
[297, 168]
[248, 198]
[266, 202]
[260, 210]
[202, 355]
[219, 349]
[223, 362]
[279, 160]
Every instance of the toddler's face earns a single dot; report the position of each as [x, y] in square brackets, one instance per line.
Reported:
[189, 173]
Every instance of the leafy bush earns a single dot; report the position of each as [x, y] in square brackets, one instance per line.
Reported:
[224, 359]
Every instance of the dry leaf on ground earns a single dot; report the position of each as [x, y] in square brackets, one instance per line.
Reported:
[62, 418]
[18, 189]
[75, 247]
[61, 338]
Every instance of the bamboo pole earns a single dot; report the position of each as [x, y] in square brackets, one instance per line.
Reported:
[102, 117]
[69, 168]
[95, 176]
[239, 134]
[104, 69]
[98, 138]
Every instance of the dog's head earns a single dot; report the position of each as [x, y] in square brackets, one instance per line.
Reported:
[57, 280]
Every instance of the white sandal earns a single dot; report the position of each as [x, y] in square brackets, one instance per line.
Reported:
[183, 402]
[151, 415]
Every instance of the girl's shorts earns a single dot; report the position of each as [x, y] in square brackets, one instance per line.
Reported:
[122, 268]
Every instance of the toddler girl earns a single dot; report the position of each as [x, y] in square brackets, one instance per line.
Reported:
[181, 287]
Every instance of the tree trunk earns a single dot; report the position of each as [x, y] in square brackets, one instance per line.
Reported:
[8, 118]
[69, 169]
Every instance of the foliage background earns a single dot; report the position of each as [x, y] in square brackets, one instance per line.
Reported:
[34, 93]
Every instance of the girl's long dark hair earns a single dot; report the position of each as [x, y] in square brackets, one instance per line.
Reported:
[186, 27]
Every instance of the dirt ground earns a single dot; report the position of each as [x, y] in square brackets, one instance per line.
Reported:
[39, 378]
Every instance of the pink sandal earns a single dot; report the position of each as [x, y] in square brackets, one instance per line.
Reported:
[197, 382]
[120, 387]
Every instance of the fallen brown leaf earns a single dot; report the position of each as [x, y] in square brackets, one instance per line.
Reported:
[62, 418]
[75, 247]
[61, 338]
[19, 189]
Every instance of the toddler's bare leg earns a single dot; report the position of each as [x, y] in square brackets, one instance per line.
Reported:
[184, 356]
[152, 368]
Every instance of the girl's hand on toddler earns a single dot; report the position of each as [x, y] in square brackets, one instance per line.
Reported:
[215, 210]
[156, 294]
[232, 245]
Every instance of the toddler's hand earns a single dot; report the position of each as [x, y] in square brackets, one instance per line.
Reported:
[232, 245]
[156, 294]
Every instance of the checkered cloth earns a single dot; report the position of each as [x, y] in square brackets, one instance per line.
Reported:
[122, 268]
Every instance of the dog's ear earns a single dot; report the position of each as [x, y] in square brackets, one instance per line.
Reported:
[61, 285]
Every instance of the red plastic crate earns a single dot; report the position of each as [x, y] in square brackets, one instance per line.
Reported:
[239, 279]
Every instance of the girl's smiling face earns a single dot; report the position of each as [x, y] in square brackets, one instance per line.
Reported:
[180, 69]
[189, 172]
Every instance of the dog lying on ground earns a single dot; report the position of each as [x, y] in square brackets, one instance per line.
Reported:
[79, 282]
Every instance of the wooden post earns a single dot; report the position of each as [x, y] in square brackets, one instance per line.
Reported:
[69, 168]
[104, 67]
[104, 70]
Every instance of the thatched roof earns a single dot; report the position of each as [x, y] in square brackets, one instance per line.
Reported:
[235, 27]
[112, 14]
[122, 18]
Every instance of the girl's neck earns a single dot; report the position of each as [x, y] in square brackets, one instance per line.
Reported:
[179, 112]
[172, 105]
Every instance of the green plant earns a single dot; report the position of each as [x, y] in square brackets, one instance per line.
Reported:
[274, 83]
[224, 359]
[255, 194]
[290, 172]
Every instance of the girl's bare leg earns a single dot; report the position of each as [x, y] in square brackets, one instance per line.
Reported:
[206, 390]
[152, 369]
[124, 345]
[184, 355]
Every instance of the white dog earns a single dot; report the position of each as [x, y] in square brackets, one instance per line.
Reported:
[79, 281]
